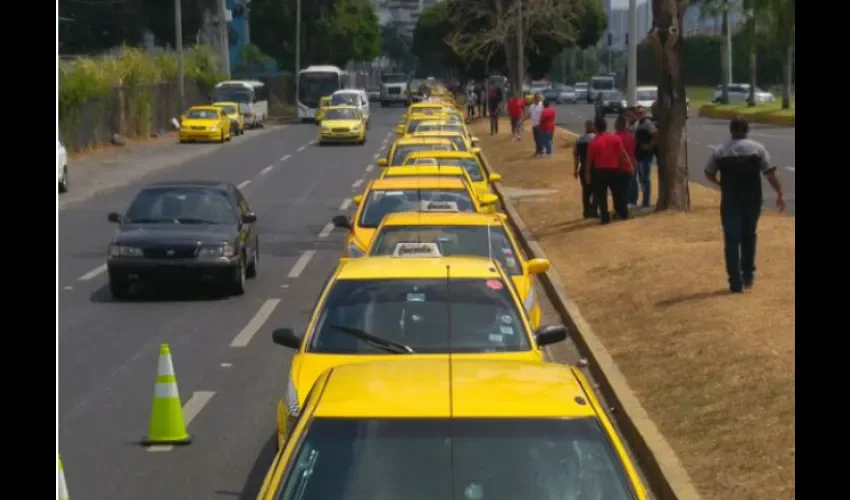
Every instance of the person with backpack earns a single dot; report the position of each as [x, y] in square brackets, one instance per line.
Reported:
[646, 137]
[494, 101]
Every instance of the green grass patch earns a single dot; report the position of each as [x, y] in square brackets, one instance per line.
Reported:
[701, 96]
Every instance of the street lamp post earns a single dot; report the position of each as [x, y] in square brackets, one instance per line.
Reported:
[297, 47]
[178, 43]
[631, 87]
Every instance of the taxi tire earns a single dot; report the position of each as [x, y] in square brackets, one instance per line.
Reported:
[221, 138]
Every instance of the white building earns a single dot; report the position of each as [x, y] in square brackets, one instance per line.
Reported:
[403, 13]
[618, 22]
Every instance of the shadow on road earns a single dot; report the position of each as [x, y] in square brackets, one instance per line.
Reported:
[147, 294]
[257, 474]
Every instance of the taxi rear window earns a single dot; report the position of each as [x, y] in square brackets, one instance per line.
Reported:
[382, 202]
[416, 312]
[454, 240]
[470, 165]
[469, 458]
[402, 150]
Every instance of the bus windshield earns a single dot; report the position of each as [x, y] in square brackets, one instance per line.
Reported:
[315, 85]
[394, 78]
[233, 94]
[603, 83]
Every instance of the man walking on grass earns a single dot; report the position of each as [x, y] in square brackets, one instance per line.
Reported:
[741, 162]
[547, 128]
[646, 136]
[605, 158]
[628, 138]
[580, 169]
[494, 101]
[534, 111]
[516, 109]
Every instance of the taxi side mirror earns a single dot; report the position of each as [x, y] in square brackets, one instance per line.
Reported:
[399, 129]
[357, 199]
[473, 140]
[286, 337]
[550, 334]
[341, 221]
[113, 217]
[495, 178]
[382, 162]
[488, 199]
[538, 266]
[475, 151]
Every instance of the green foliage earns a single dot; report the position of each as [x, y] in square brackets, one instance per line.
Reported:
[429, 40]
[252, 61]
[353, 31]
[700, 69]
[593, 22]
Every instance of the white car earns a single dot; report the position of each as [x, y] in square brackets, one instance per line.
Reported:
[567, 94]
[353, 97]
[739, 92]
[61, 167]
[581, 91]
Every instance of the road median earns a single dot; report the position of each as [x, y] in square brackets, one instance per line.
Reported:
[785, 118]
[702, 381]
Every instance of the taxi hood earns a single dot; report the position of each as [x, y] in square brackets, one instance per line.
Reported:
[199, 122]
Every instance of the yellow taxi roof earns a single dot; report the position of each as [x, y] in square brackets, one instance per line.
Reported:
[385, 266]
[426, 170]
[407, 140]
[409, 388]
[441, 154]
[341, 106]
[441, 219]
[436, 133]
[424, 116]
[414, 182]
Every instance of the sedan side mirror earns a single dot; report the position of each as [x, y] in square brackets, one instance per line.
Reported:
[495, 178]
[249, 217]
[113, 217]
[488, 199]
[286, 337]
[399, 130]
[382, 162]
[538, 266]
[550, 334]
[475, 151]
[341, 221]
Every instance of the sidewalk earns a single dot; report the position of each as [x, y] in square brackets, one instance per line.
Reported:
[715, 371]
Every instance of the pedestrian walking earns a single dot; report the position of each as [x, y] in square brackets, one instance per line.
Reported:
[628, 137]
[580, 170]
[646, 136]
[516, 110]
[534, 112]
[471, 100]
[547, 128]
[741, 162]
[494, 102]
[605, 158]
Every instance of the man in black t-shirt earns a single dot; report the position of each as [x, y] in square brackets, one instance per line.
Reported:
[580, 172]
[646, 138]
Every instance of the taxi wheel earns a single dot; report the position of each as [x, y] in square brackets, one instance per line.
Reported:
[230, 135]
[221, 138]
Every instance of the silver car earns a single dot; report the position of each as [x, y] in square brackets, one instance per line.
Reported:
[567, 94]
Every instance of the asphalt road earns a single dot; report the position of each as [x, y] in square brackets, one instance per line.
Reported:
[704, 135]
[108, 350]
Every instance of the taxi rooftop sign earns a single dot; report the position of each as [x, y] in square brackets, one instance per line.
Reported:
[439, 206]
[415, 249]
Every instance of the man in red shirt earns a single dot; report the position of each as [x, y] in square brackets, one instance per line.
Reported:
[630, 143]
[516, 108]
[606, 156]
[547, 128]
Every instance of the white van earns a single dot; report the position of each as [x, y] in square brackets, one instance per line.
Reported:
[353, 97]
[251, 95]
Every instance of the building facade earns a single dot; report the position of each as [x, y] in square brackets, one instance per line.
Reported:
[707, 20]
[618, 23]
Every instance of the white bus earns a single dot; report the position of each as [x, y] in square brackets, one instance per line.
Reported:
[252, 96]
[315, 82]
[600, 84]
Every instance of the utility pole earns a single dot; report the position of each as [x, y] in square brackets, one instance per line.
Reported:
[520, 64]
[223, 39]
[178, 44]
[726, 54]
[631, 71]
[297, 47]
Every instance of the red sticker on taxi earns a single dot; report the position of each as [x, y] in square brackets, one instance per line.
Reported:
[495, 284]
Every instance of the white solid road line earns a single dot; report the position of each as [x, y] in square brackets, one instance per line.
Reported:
[301, 263]
[266, 170]
[285, 157]
[357, 183]
[94, 273]
[257, 322]
[369, 168]
[243, 184]
[377, 155]
[326, 231]
[345, 204]
[191, 410]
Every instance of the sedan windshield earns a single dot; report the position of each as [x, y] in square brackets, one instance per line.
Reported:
[342, 114]
[416, 312]
[469, 458]
[454, 240]
[181, 205]
[344, 99]
[402, 150]
[382, 202]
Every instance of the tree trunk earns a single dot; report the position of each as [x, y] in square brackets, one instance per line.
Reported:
[788, 70]
[666, 39]
[751, 27]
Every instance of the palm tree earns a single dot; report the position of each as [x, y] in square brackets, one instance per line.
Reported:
[780, 27]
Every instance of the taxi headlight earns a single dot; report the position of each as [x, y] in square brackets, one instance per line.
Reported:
[355, 128]
[220, 250]
[292, 398]
[354, 251]
[124, 251]
[213, 127]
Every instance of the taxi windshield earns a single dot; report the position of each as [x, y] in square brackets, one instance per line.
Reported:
[342, 114]
[202, 114]
[454, 240]
[440, 459]
[438, 127]
[416, 312]
[402, 150]
[382, 202]
[413, 124]
[468, 164]
[229, 109]
[347, 98]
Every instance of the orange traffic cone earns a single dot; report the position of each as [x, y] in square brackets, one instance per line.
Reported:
[167, 426]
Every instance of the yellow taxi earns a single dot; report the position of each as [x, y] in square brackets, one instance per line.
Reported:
[461, 141]
[434, 108]
[441, 126]
[403, 146]
[405, 194]
[429, 171]
[412, 305]
[342, 124]
[205, 123]
[408, 126]
[436, 429]
[234, 112]
[466, 234]
[324, 103]
[481, 180]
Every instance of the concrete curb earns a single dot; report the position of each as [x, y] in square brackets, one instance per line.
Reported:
[710, 111]
[666, 476]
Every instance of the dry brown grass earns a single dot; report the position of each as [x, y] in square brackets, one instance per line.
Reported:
[714, 370]
[106, 151]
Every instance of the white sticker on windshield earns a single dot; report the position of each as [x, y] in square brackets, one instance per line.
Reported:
[507, 319]
[495, 337]
[394, 193]
[506, 329]
[416, 297]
